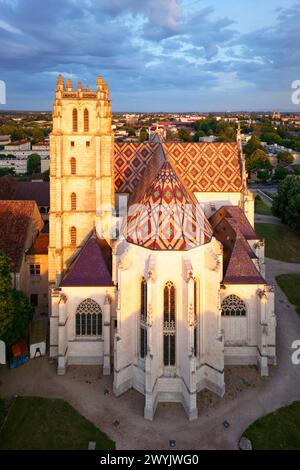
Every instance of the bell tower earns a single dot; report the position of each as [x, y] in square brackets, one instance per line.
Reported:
[81, 171]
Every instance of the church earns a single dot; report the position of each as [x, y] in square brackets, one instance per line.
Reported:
[155, 271]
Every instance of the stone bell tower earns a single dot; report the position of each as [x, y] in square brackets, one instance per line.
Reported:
[81, 171]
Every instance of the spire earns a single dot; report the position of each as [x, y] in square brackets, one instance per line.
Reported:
[60, 82]
[69, 85]
[99, 81]
[79, 86]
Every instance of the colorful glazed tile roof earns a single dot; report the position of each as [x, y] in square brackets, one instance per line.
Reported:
[202, 167]
[92, 267]
[167, 216]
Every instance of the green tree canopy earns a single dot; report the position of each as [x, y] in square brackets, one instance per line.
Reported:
[15, 309]
[280, 173]
[285, 158]
[184, 134]
[143, 135]
[33, 164]
[252, 145]
[286, 204]
[258, 161]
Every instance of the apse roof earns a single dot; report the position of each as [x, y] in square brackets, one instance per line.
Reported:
[166, 216]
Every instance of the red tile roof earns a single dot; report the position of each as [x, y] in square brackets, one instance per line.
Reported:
[18, 142]
[40, 246]
[236, 217]
[38, 191]
[241, 269]
[15, 217]
[92, 266]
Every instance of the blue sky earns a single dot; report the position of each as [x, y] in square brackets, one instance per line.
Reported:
[157, 55]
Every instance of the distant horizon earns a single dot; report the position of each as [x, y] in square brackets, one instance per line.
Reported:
[249, 111]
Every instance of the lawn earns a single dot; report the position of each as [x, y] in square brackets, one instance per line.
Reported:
[261, 207]
[41, 423]
[290, 284]
[277, 431]
[281, 242]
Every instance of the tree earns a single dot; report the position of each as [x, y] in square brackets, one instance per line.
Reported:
[184, 134]
[15, 309]
[46, 176]
[285, 158]
[7, 171]
[270, 137]
[252, 145]
[143, 135]
[33, 164]
[286, 204]
[280, 173]
[263, 175]
[6, 296]
[258, 161]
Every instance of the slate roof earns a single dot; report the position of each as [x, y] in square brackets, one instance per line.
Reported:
[38, 191]
[92, 266]
[239, 267]
[15, 218]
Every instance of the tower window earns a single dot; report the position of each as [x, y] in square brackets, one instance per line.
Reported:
[143, 319]
[73, 166]
[75, 120]
[87, 143]
[72, 143]
[73, 235]
[73, 201]
[169, 332]
[86, 120]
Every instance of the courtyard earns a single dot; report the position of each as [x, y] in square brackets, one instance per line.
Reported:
[247, 398]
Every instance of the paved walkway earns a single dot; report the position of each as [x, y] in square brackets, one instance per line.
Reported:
[84, 388]
[267, 219]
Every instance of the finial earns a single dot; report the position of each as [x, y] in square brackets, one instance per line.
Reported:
[99, 81]
[87, 88]
[60, 82]
[79, 86]
[69, 85]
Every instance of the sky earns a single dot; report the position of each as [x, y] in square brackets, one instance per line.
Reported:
[156, 55]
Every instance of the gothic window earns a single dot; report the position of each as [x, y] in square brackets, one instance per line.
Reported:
[143, 319]
[73, 201]
[196, 319]
[86, 120]
[233, 306]
[169, 331]
[73, 166]
[73, 235]
[75, 120]
[88, 319]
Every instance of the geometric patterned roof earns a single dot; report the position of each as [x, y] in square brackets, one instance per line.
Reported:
[202, 167]
[131, 160]
[206, 167]
[167, 217]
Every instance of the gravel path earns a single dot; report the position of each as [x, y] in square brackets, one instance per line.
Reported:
[248, 396]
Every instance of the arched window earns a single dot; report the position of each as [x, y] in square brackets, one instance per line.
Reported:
[73, 166]
[196, 317]
[86, 120]
[169, 324]
[143, 319]
[75, 120]
[73, 235]
[88, 319]
[73, 202]
[233, 306]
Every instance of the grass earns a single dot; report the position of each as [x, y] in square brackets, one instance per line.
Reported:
[281, 242]
[261, 207]
[277, 431]
[42, 424]
[290, 284]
